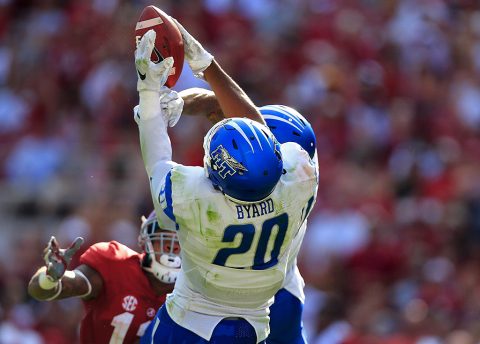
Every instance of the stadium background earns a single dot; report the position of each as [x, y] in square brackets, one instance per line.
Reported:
[392, 88]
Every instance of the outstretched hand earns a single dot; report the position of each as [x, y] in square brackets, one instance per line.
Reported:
[197, 57]
[57, 259]
[151, 76]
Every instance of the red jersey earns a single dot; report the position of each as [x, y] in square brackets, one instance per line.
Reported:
[127, 303]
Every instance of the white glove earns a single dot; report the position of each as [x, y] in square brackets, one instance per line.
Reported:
[151, 76]
[197, 57]
[170, 103]
[172, 106]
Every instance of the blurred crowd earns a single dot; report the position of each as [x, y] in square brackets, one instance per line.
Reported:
[391, 87]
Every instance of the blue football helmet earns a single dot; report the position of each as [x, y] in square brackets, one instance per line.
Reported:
[288, 125]
[242, 159]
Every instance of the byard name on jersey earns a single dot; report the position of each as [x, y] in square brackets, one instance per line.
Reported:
[255, 209]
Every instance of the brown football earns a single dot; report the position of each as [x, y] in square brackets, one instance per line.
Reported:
[168, 42]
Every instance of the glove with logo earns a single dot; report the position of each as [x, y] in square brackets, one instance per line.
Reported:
[170, 103]
[151, 76]
[57, 259]
[197, 57]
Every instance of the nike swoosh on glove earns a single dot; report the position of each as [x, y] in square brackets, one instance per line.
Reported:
[151, 76]
[197, 57]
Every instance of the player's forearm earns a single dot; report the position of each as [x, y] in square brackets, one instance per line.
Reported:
[201, 102]
[233, 101]
[156, 152]
[70, 285]
[154, 141]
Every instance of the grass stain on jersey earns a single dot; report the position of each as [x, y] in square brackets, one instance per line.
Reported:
[212, 215]
[210, 232]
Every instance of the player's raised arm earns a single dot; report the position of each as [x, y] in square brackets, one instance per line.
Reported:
[53, 281]
[201, 102]
[158, 106]
[232, 99]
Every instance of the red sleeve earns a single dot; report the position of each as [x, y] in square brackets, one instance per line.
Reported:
[102, 255]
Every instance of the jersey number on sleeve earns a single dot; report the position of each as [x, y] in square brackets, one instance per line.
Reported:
[121, 324]
[247, 232]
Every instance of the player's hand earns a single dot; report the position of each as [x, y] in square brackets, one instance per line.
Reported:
[151, 76]
[57, 259]
[171, 104]
[197, 57]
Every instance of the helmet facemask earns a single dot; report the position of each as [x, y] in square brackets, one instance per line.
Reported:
[162, 251]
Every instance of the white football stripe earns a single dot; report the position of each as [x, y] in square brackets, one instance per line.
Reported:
[148, 23]
[250, 125]
[281, 120]
[240, 130]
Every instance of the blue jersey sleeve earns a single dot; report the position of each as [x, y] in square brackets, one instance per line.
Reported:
[166, 215]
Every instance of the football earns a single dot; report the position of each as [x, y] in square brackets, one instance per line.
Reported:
[168, 42]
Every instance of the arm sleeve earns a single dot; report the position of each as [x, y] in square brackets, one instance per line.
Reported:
[155, 143]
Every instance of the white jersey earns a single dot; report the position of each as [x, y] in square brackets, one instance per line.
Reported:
[234, 256]
[294, 282]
